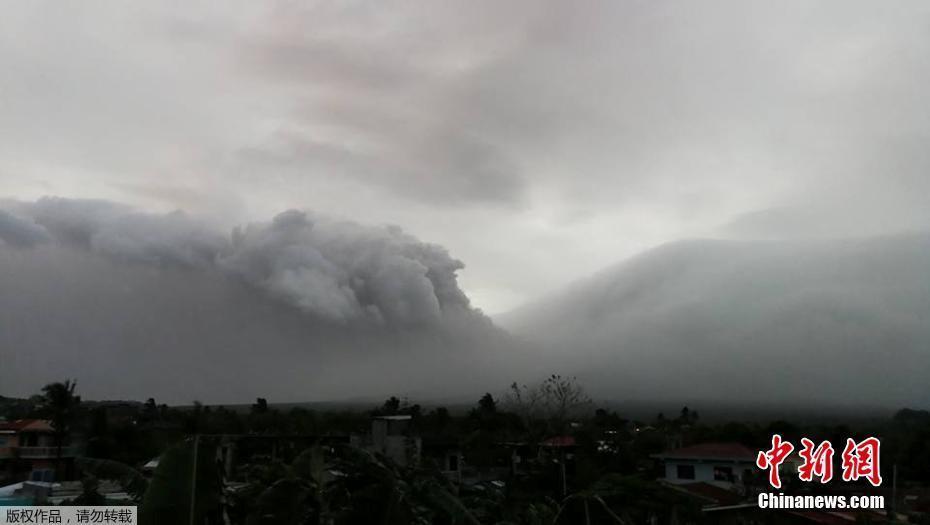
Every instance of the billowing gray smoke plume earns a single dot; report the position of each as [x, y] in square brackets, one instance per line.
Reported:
[335, 270]
[306, 307]
[345, 272]
[302, 308]
[17, 232]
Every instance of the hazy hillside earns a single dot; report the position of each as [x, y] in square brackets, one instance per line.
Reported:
[829, 321]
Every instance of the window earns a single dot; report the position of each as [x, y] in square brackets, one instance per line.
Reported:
[723, 474]
[46, 475]
[685, 471]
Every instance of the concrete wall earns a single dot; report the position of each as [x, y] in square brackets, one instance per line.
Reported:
[704, 471]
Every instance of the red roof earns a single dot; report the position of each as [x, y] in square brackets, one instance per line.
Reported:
[27, 425]
[730, 451]
[559, 441]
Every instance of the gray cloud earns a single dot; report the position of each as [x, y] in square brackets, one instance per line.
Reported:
[137, 304]
[346, 272]
[338, 271]
[630, 96]
[829, 220]
[19, 232]
[440, 169]
[505, 132]
[137, 330]
[816, 321]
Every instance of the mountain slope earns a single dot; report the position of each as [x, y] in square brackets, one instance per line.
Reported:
[830, 321]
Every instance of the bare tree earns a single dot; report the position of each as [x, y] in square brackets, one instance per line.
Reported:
[553, 400]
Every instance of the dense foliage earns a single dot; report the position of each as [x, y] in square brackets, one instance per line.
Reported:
[295, 467]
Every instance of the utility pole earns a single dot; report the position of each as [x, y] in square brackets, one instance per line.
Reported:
[194, 478]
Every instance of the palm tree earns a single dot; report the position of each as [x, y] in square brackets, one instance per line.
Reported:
[61, 405]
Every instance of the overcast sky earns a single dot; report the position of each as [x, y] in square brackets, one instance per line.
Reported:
[537, 142]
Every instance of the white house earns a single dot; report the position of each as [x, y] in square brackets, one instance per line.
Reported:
[722, 464]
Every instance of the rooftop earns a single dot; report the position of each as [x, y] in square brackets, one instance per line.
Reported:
[27, 425]
[728, 451]
[559, 441]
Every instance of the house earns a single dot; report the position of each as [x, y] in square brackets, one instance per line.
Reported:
[28, 451]
[559, 451]
[392, 437]
[721, 464]
[445, 454]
